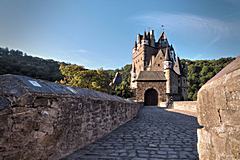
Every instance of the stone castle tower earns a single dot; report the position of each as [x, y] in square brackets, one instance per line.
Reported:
[157, 74]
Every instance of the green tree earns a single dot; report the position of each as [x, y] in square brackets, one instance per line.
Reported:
[78, 76]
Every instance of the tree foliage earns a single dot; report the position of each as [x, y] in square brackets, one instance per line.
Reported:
[97, 79]
[200, 71]
[123, 89]
[78, 76]
[17, 62]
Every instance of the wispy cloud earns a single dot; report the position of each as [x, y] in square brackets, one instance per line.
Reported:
[78, 51]
[234, 2]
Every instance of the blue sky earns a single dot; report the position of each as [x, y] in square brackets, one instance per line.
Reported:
[101, 33]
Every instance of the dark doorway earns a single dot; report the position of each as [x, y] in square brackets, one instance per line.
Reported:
[151, 97]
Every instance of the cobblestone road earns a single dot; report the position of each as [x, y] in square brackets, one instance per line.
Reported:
[154, 135]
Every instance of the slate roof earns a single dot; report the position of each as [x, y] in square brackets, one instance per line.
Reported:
[177, 66]
[151, 76]
[163, 36]
[167, 55]
[117, 79]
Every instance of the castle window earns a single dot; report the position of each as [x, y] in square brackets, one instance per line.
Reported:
[158, 65]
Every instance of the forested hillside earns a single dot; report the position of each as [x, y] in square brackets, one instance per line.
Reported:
[200, 71]
[17, 62]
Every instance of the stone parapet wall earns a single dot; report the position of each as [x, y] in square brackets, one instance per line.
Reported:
[44, 120]
[190, 106]
[219, 114]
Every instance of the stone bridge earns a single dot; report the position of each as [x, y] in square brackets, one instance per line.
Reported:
[44, 120]
[154, 134]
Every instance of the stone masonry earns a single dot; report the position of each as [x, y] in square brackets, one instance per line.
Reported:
[44, 120]
[219, 114]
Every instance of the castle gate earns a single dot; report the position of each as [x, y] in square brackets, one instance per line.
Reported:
[151, 97]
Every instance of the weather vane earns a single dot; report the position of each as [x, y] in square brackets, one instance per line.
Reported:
[162, 26]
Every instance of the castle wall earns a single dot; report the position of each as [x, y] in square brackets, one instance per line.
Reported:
[184, 88]
[174, 82]
[160, 87]
[44, 120]
[138, 59]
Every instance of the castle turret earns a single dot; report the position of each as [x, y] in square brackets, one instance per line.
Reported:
[167, 71]
[138, 40]
[152, 38]
[144, 39]
[173, 55]
[135, 46]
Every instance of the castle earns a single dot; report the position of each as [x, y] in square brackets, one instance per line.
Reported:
[157, 74]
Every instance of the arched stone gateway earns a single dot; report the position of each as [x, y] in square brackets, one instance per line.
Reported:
[151, 97]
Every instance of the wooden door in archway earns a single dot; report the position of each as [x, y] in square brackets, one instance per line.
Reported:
[151, 97]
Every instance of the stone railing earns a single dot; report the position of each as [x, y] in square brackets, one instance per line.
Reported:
[219, 114]
[44, 120]
[190, 106]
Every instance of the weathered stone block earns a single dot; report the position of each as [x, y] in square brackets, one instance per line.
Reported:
[218, 112]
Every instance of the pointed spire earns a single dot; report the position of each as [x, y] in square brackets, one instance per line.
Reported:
[167, 55]
[135, 45]
[144, 35]
[152, 38]
[144, 39]
[138, 38]
[148, 35]
[163, 36]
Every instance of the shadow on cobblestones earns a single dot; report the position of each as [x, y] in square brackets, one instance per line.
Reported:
[154, 135]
